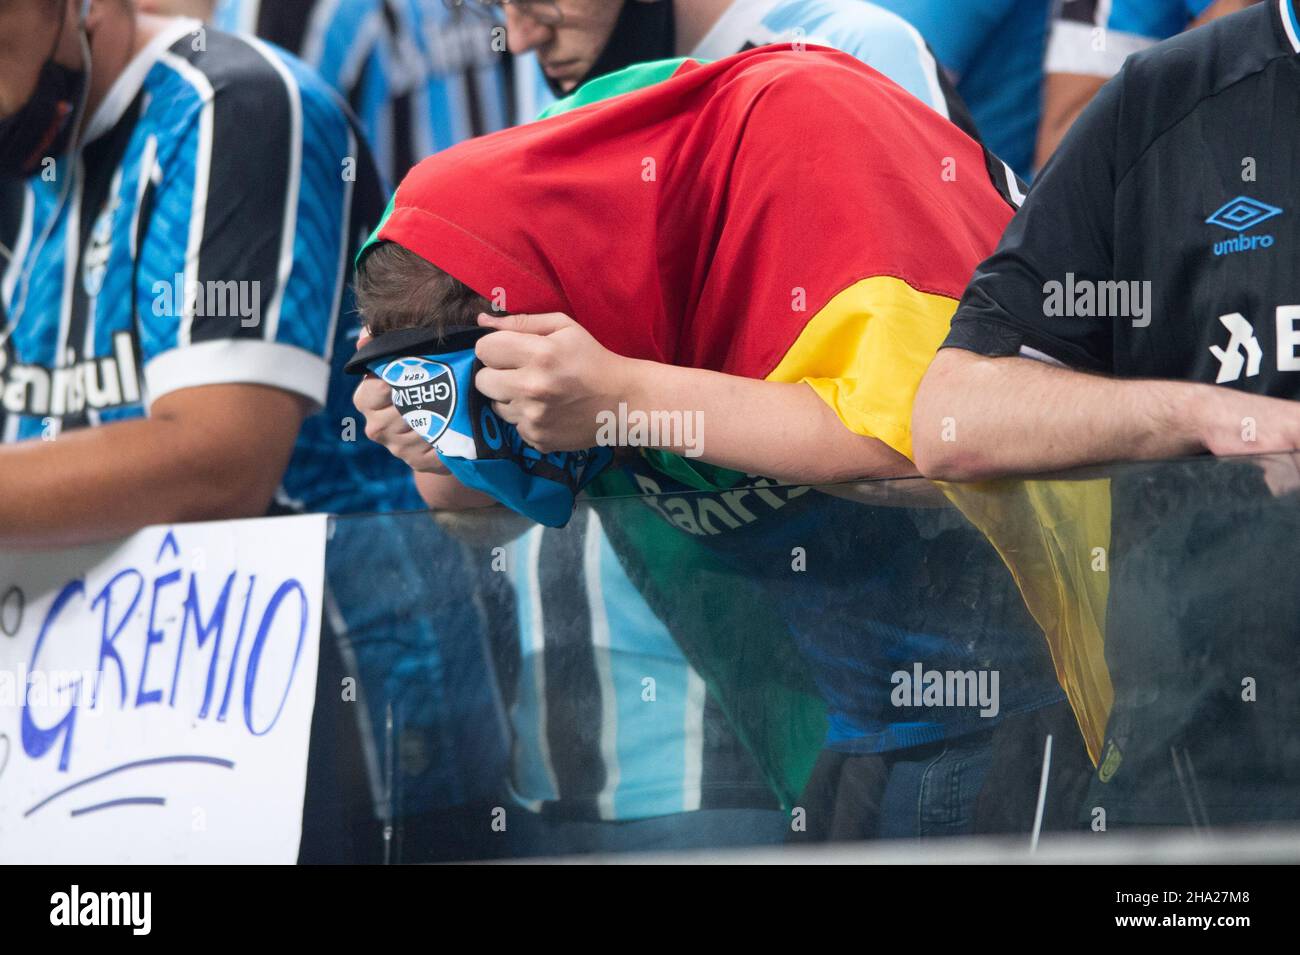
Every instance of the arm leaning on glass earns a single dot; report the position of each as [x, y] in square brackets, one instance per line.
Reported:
[1136, 307]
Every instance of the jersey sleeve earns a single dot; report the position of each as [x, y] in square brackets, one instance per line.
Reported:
[241, 269]
[1094, 38]
[1062, 236]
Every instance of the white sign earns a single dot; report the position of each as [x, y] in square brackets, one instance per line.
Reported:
[156, 695]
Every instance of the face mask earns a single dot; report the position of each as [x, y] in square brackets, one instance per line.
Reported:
[43, 125]
[642, 33]
[432, 381]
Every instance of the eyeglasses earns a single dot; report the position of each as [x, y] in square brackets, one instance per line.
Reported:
[545, 12]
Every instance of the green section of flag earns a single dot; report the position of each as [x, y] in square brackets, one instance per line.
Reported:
[694, 474]
[730, 633]
[374, 236]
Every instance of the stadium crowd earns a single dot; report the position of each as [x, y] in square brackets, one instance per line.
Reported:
[957, 239]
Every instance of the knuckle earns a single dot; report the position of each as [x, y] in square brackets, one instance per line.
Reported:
[545, 356]
[528, 387]
[540, 387]
[372, 396]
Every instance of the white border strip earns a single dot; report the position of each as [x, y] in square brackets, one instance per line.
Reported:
[1287, 9]
[1070, 49]
[239, 361]
[931, 69]
[202, 178]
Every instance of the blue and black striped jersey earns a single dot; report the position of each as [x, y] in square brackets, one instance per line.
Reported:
[205, 239]
[421, 75]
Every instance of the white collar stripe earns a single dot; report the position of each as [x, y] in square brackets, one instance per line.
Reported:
[1290, 22]
[127, 85]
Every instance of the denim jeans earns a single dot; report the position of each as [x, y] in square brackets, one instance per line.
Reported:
[982, 782]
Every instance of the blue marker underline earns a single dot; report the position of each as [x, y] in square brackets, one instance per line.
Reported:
[113, 803]
[155, 761]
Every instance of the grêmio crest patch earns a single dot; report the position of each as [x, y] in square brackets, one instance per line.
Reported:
[424, 392]
[431, 376]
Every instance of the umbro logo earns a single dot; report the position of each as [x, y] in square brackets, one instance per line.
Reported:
[1239, 215]
[1243, 213]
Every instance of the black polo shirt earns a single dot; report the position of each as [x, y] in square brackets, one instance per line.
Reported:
[1182, 174]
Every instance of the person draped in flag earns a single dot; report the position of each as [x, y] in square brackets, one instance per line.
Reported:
[742, 258]
[668, 251]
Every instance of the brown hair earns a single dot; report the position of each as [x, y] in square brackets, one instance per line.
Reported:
[396, 288]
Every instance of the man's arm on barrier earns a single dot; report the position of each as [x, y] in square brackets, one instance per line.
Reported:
[977, 418]
[206, 453]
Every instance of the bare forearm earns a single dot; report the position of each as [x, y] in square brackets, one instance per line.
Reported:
[978, 417]
[208, 453]
[442, 492]
[100, 484]
[779, 430]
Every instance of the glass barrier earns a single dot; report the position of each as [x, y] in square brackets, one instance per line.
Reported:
[1095, 653]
